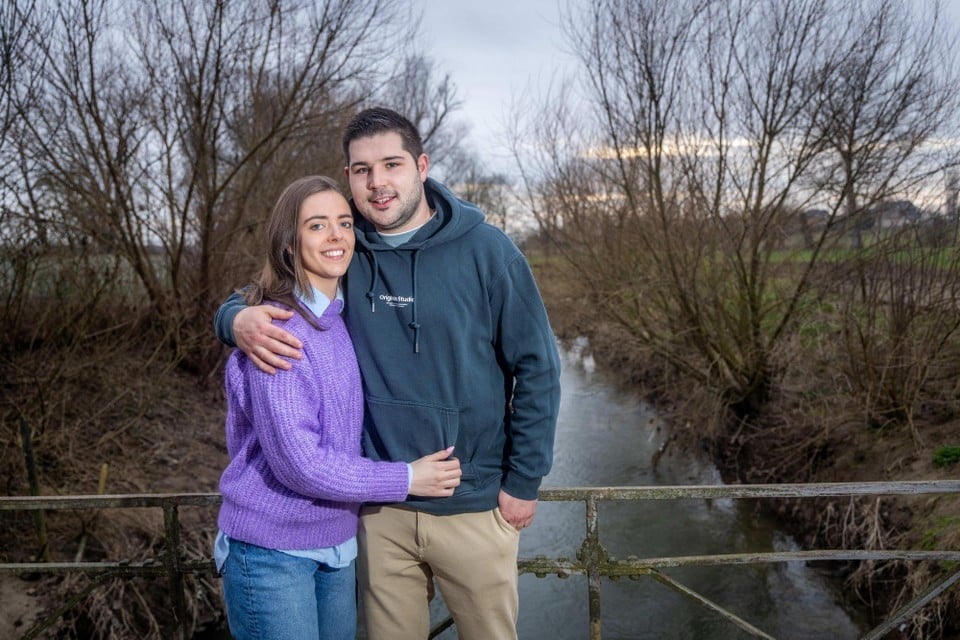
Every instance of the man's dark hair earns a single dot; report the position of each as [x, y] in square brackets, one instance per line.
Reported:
[377, 120]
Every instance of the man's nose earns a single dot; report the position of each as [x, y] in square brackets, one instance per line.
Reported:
[374, 178]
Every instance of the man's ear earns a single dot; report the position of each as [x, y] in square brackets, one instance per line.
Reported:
[423, 166]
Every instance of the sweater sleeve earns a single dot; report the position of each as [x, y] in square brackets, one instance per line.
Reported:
[285, 410]
[528, 347]
[223, 321]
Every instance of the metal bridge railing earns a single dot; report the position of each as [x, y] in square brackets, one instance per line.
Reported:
[592, 560]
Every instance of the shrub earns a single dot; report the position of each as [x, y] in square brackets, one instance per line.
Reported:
[945, 456]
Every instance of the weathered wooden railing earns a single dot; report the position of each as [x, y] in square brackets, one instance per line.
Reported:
[592, 560]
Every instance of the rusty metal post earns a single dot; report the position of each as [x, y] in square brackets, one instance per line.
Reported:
[171, 525]
[39, 517]
[592, 559]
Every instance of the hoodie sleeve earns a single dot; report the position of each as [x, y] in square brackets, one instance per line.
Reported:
[528, 347]
[223, 321]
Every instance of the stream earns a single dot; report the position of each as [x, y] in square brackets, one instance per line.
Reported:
[606, 437]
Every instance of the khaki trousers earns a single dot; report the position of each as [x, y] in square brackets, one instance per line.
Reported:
[473, 557]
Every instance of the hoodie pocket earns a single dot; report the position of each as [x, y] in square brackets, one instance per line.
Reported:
[404, 431]
[401, 431]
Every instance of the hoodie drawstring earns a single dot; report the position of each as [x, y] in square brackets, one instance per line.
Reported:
[414, 324]
[374, 281]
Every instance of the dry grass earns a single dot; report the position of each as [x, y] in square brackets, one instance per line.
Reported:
[110, 401]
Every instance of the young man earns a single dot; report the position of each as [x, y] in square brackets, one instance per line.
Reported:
[455, 349]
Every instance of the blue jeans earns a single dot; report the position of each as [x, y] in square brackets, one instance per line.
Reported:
[271, 595]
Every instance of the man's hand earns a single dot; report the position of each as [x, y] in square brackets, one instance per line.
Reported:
[262, 341]
[435, 475]
[518, 513]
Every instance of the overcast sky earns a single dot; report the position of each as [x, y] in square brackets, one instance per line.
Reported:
[495, 49]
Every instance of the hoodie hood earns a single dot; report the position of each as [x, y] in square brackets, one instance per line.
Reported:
[454, 218]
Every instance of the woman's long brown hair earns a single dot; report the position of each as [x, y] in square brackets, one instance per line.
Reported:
[283, 273]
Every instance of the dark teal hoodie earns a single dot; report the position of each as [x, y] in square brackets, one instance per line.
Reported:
[455, 348]
[451, 332]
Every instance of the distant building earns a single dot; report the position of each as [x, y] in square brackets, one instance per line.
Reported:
[893, 214]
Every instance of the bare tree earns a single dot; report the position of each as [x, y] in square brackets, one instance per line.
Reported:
[678, 181]
[22, 232]
[898, 329]
[883, 119]
[160, 121]
[670, 195]
[892, 92]
[141, 146]
[11, 60]
[491, 192]
[429, 100]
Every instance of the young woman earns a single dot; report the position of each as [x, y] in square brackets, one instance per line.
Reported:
[296, 478]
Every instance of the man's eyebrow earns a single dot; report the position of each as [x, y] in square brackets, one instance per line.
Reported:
[361, 163]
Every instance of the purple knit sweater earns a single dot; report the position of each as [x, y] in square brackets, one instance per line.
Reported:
[296, 477]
